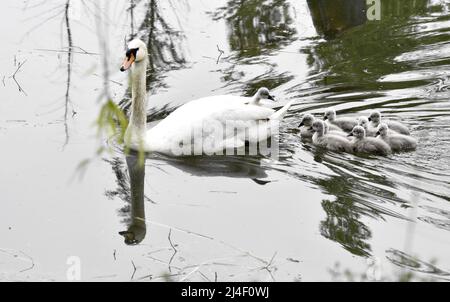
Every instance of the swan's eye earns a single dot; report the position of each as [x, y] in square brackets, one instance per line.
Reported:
[132, 53]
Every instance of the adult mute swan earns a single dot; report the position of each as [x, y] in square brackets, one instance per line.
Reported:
[198, 127]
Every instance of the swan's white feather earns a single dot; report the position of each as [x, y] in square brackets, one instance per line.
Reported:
[200, 118]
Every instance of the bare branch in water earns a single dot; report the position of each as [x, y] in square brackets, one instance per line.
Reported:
[13, 76]
[204, 276]
[268, 266]
[32, 262]
[134, 270]
[15, 253]
[174, 250]
[69, 73]
[221, 52]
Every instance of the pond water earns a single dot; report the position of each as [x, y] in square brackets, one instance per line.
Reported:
[310, 215]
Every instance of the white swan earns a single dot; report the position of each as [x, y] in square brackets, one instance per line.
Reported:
[375, 121]
[329, 141]
[369, 145]
[397, 142]
[344, 123]
[197, 127]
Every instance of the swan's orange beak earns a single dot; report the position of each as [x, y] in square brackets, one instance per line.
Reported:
[127, 62]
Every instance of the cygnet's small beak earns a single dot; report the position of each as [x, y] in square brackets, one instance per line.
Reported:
[350, 134]
[271, 97]
[311, 129]
[301, 124]
[370, 119]
[378, 133]
[127, 62]
[325, 118]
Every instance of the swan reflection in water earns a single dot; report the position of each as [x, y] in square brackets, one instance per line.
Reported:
[137, 228]
[130, 181]
[332, 17]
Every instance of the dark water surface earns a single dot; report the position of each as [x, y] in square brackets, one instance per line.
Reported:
[311, 215]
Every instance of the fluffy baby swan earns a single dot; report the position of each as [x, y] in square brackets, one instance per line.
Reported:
[375, 121]
[369, 145]
[364, 122]
[306, 130]
[334, 131]
[329, 141]
[344, 123]
[262, 94]
[397, 142]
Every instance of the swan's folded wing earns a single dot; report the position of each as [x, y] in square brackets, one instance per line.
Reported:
[242, 112]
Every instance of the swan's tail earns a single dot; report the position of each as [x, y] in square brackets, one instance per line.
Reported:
[278, 115]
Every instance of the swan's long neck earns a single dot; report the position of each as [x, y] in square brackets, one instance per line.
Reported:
[138, 117]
